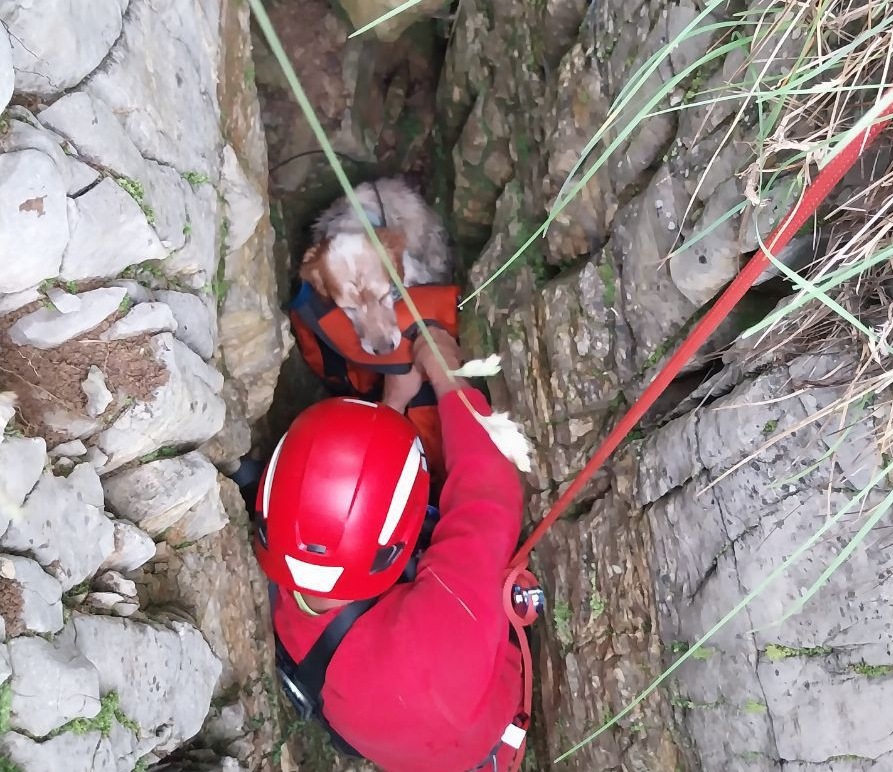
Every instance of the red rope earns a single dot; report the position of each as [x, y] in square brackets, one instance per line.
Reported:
[812, 197]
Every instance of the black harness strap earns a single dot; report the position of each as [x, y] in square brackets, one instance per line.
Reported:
[308, 676]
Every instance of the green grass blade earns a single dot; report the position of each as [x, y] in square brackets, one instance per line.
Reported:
[385, 17]
[740, 606]
[831, 281]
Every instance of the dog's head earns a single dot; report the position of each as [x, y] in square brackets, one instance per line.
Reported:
[348, 270]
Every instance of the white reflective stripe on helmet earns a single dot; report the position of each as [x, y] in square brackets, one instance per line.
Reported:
[359, 402]
[401, 494]
[313, 577]
[418, 445]
[268, 483]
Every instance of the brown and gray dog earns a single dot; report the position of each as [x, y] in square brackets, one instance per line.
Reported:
[344, 266]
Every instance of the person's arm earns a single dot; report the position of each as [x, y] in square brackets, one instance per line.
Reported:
[481, 504]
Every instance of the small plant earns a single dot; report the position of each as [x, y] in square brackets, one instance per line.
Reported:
[561, 616]
[165, 451]
[775, 652]
[187, 229]
[125, 305]
[872, 671]
[704, 653]
[102, 722]
[137, 193]
[196, 178]
[7, 765]
[755, 706]
[5, 706]
[770, 427]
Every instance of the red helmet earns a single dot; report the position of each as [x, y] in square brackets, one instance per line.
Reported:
[342, 501]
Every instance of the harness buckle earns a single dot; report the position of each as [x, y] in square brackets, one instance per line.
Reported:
[527, 599]
[303, 705]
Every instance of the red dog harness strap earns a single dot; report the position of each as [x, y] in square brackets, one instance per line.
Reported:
[437, 304]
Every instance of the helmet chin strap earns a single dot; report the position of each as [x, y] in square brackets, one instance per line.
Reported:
[302, 604]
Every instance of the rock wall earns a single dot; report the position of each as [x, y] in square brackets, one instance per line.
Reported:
[141, 334]
[648, 559]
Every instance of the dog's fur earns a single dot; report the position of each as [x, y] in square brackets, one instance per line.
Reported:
[344, 266]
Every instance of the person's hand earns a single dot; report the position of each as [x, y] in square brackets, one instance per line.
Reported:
[428, 363]
[400, 389]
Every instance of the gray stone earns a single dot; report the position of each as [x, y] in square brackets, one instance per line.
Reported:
[64, 526]
[41, 596]
[159, 494]
[22, 462]
[186, 410]
[90, 752]
[73, 449]
[244, 202]
[103, 601]
[51, 685]
[98, 395]
[54, 46]
[88, 122]
[109, 232]
[135, 291]
[69, 425]
[196, 321]
[7, 74]
[65, 302]
[8, 400]
[144, 318]
[133, 548]
[33, 219]
[173, 116]
[48, 327]
[112, 581]
[15, 300]
[96, 457]
[164, 677]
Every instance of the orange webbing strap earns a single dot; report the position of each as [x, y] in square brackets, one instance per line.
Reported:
[522, 577]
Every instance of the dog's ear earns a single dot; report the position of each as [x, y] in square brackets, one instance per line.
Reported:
[313, 269]
[394, 242]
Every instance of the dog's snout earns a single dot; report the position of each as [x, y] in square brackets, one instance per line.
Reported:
[383, 348]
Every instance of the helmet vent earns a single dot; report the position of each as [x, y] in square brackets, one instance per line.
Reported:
[316, 549]
[385, 557]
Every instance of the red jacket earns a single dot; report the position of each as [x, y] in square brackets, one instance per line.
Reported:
[427, 680]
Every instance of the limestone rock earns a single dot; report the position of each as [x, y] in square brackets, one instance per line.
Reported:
[32, 600]
[133, 548]
[112, 581]
[89, 123]
[173, 116]
[21, 462]
[98, 395]
[63, 301]
[158, 495]
[54, 46]
[196, 321]
[109, 232]
[186, 410]
[73, 449]
[64, 526]
[52, 683]
[8, 401]
[49, 327]
[7, 75]
[15, 300]
[144, 318]
[33, 219]
[90, 752]
[164, 677]
[244, 202]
